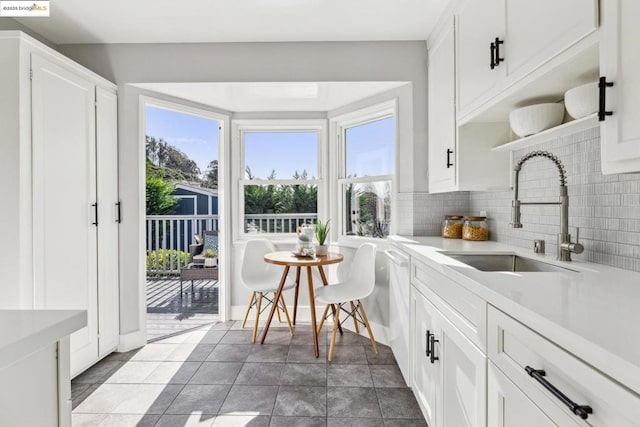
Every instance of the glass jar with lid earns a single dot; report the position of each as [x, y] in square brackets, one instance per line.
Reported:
[475, 228]
[452, 226]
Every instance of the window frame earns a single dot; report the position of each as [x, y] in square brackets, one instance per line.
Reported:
[339, 126]
[239, 129]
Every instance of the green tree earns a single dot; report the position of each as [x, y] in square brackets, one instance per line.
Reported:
[211, 175]
[158, 194]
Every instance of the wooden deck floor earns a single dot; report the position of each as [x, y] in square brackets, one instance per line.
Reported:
[169, 313]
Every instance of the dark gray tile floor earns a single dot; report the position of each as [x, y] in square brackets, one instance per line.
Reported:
[213, 376]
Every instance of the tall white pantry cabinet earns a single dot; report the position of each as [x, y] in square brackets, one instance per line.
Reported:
[58, 168]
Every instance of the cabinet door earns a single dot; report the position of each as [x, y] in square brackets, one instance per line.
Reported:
[464, 373]
[507, 406]
[442, 115]
[538, 30]
[477, 26]
[425, 380]
[620, 64]
[107, 187]
[64, 182]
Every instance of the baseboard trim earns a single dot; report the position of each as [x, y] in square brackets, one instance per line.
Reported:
[131, 341]
[304, 315]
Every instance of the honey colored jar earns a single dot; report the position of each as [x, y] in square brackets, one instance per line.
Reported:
[475, 228]
[452, 226]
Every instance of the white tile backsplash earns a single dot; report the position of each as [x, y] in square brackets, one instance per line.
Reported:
[605, 207]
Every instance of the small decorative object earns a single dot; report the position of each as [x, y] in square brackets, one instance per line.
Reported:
[210, 258]
[305, 237]
[452, 226]
[322, 232]
[197, 239]
[536, 118]
[475, 228]
[582, 100]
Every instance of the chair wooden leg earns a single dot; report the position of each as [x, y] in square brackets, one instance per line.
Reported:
[355, 319]
[286, 314]
[277, 309]
[366, 323]
[324, 316]
[333, 310]
[246, 313]
[255, 327]
[336, 322]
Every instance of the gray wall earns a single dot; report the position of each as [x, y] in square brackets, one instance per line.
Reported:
[241, 62]
[605, 207]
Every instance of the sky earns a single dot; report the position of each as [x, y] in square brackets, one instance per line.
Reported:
[195, 136]
[369, 147]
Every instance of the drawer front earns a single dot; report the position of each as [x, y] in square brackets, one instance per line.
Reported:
[463, 308]
[514, 347]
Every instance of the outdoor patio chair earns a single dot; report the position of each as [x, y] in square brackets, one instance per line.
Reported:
[209, 241]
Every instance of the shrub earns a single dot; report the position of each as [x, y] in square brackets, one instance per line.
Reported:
[161, 259]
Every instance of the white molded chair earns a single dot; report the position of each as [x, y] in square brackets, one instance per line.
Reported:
[263, 279]
[358, 285]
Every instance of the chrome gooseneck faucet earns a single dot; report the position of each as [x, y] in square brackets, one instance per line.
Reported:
[565, 247]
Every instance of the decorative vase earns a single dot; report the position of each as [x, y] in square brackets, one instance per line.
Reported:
[210, 262]
[322, 250]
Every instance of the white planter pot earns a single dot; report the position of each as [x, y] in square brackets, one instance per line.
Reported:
[322, 250]
[210, 262]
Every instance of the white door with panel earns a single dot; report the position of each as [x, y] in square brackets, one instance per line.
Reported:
[538, 30]
[425, 373]
[108, 218]
[64, 194]
[399, 309]
[464, 369]
[478, 25]
[620, 65]
[442, 112]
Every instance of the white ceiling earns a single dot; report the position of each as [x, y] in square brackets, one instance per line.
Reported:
[172, 21]
[282, 96]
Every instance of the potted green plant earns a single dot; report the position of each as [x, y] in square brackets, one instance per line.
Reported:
[322, 232]
[210, 258]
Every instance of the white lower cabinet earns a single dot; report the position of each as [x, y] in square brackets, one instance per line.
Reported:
[449, 371]
[508, 406]
[564, 388]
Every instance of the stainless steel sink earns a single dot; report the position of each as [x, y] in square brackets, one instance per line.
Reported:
[507, 262]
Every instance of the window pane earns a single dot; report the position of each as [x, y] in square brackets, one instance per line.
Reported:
[370, 148]
[367, 208]
[281, 155]
[279, 208]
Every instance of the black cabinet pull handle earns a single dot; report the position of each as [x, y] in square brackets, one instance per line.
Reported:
[95, 212]
[449, 153]
[433, 356]
[603, 84]
[582, 411]
[118, 212]
[497, 43]
[428, 350]
[493, 55]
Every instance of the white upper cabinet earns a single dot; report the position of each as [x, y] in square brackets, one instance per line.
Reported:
[620, 65]
[503, 46]
[442, 115]
[536, 31]
[478, 25]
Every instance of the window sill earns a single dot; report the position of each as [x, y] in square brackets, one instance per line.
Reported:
[355, 242]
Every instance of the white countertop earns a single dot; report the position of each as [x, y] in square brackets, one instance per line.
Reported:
[24, 331]
[593, 313]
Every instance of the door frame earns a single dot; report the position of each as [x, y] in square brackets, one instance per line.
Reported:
[224, 193]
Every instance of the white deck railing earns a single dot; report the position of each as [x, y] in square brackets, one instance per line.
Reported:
[277, 223]
[169, 236]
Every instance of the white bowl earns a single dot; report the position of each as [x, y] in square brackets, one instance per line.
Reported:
[582, 100]
[530, 120]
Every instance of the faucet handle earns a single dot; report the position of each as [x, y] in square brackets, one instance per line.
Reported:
[576, 247]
